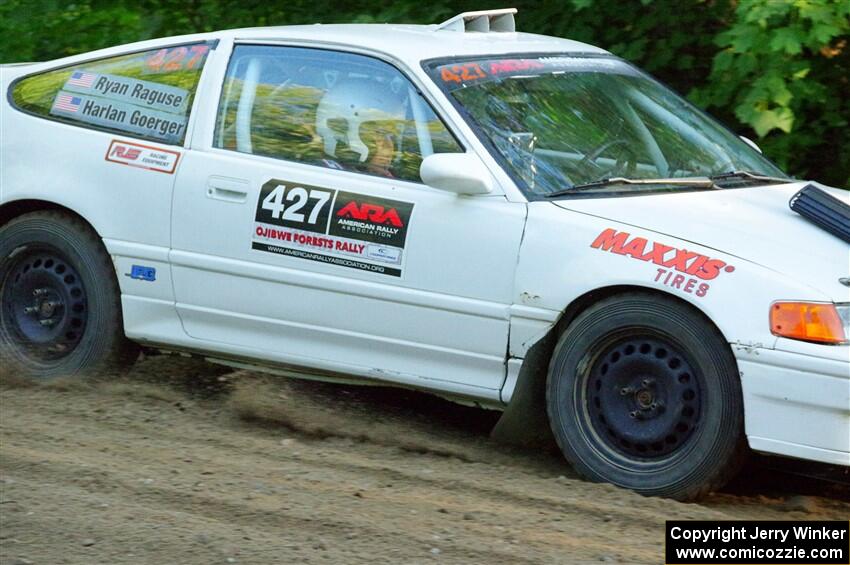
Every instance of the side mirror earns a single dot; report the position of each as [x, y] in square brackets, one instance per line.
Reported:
[461, 173]
[750, 142]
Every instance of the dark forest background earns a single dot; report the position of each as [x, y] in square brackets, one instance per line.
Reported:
[777, 71]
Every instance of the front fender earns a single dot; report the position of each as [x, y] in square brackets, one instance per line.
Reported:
[566, 254]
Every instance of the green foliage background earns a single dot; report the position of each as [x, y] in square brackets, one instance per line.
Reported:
[777, 71]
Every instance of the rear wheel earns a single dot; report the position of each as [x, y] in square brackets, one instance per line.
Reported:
[60, 310]
[643, 392]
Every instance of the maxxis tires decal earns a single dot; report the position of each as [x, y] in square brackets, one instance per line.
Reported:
[684, 270]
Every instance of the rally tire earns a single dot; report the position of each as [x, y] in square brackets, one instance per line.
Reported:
[643, 392]
[60, 305]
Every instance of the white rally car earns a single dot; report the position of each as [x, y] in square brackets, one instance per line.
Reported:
[516, 221]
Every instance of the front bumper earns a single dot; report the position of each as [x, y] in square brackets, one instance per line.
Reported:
[797, 403]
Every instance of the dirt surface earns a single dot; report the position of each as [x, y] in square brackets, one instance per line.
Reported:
[186, 462]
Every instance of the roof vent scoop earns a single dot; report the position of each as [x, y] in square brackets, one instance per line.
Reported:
[484, 21]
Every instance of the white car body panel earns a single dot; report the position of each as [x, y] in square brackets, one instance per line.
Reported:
[485, 277]
[746, 224]
[811, 394]
[212, 266]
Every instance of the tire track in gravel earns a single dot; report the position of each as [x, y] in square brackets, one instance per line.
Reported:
[185, 462]
[259, 513]
[591, 500]
[427, 490]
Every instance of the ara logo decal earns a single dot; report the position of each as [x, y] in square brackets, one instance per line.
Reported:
[672, 260]
[370, 218]
[372, 213]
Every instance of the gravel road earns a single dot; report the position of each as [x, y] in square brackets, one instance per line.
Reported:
[186, 462]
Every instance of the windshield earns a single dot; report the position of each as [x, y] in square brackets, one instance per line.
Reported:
[564, 121]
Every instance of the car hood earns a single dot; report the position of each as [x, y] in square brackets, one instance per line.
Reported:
[754, 224]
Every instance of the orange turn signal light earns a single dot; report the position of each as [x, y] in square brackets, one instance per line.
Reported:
[807, 321]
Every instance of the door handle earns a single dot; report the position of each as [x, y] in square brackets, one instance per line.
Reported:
[228, 189]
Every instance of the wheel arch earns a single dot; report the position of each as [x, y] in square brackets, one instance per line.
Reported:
[15, 208]
[588, 299]
[524, 420]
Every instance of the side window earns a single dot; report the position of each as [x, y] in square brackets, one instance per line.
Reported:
[330, 109]
[147, 94]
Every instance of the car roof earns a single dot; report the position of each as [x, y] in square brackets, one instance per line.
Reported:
[414, 43]
[409, 43]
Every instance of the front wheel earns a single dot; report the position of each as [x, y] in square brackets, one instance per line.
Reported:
[60, 308]
[643, 392]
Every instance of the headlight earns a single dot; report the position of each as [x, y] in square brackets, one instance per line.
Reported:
[817, 322]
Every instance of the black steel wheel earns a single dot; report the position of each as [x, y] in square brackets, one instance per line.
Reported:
[45, 303]
[643, 392]
[60, 311]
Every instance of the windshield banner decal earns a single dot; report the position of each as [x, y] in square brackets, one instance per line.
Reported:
[459, 74]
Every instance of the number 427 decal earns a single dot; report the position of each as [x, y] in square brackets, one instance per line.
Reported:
[299, 199]
[293, 206]
[334, 227]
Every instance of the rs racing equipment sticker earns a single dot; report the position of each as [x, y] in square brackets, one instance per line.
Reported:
[331, 226]
[142, 156]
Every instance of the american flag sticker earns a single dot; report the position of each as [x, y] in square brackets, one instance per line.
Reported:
[81, 78]
[67, 103]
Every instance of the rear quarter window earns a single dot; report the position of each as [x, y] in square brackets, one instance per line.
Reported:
[146, 94]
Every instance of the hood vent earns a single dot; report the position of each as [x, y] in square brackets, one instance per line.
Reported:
[824, 210]
[484, 21]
